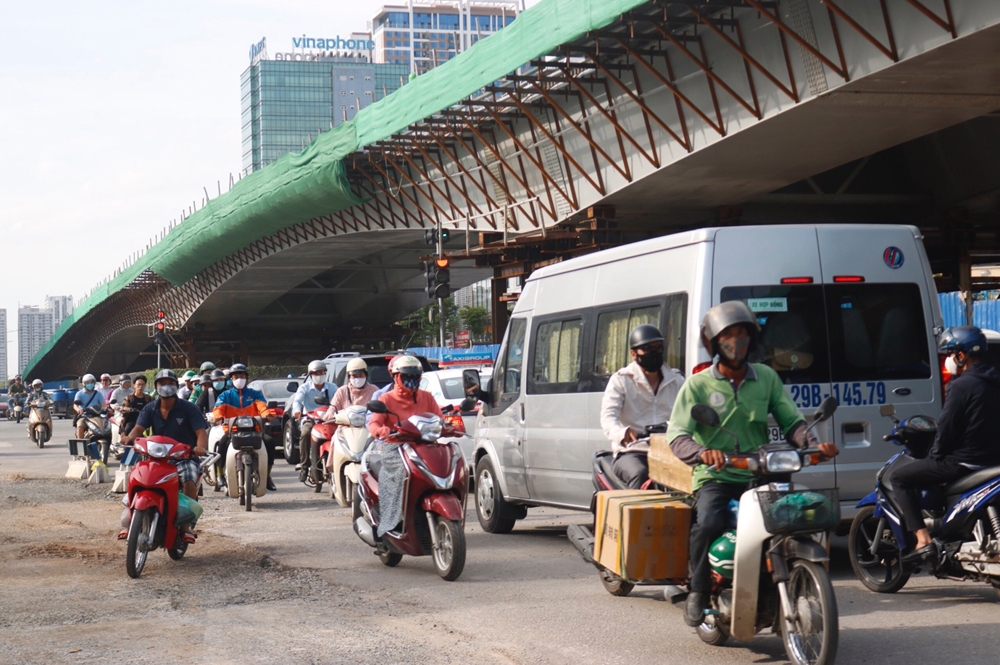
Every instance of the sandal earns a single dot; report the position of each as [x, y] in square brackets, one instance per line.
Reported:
[188, 537]
[123, 534]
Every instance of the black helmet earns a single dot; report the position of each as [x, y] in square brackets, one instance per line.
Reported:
[164, 374]
[238, 367]
[218, 374]
[643, 335]
[965, 339]
[206, 379]
[721, 317]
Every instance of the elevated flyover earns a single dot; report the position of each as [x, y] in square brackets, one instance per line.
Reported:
[585, 123]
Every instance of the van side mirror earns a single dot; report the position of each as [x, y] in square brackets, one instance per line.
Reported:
[826, 409]
[705, 415]
[376, 406]
[472, 384]
[292, 386]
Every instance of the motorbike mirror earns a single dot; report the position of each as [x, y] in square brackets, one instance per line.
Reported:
[887, 410]
[322, 400]
[376, 406]
[292, 386]
[826, 409]
[467, 404]
[705, 415]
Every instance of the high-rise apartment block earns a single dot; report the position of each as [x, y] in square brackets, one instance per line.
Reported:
[60, 306]
[3, 346]
[35, 326]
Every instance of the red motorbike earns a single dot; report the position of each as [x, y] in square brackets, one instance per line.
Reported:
[156, 508]
[434, 501]
[320, 442]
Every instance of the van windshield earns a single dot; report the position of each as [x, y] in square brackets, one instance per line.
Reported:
[793, 339]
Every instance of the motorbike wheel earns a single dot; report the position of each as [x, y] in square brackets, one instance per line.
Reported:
[289, 443]
[138, 537]
[177, 551]
[615, 585]
[882, 572]
[390, 559]
[490, 504]
[711, 631]
[248, 485]
[449, 555]
[815, 628]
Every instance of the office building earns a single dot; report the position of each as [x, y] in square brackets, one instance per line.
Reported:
[288, 102]
[60, 306]
[34, 328]
[422, 34]
[3, 346]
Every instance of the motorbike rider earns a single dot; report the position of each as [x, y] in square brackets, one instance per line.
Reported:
[743, 393]
[207, 367]
[210, 392]
[639, 394]
[133, 403]
[37, 392]
[106, 388]
[357, 391]
[15, 391]
[181, 421]
[304, 401]
[384, 389]
[184, 392]
[403, 400]
[966, 433]
[123, 390]
[89, 397]
[242, 401]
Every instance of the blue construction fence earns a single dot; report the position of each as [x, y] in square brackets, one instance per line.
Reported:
[985, 313]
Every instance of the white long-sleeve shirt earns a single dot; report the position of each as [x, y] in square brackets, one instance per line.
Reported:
[629, 402]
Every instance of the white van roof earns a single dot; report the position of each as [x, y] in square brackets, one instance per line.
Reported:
[679, 240]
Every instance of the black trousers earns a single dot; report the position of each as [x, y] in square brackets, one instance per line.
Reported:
[632, 468]
[711, 520]
[923, 474]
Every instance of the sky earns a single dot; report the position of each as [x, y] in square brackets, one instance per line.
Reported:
[113, 118]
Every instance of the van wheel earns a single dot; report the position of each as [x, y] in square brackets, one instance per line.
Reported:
[490, 504]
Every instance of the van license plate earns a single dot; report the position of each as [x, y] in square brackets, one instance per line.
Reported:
[774, 434]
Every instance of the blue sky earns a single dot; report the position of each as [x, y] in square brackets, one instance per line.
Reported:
[115, 115]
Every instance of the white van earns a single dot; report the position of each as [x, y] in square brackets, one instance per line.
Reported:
[849, 311]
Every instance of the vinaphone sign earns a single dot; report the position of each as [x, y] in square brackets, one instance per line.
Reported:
[327, 46]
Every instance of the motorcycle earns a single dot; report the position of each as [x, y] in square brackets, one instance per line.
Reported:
[98, 431]
[320, 441]
[116, 420]
[17, 412]
[605, 477]
[435, 490]
[246, 459]
[770, 571]
[156, 508]
[962, 516]
[40, 421]
[350, 442]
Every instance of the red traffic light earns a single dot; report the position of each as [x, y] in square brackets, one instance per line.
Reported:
[160, 325]
[161, 314]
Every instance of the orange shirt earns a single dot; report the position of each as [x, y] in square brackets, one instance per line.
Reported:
[403, 405]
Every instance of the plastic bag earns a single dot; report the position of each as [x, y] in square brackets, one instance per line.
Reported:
[188, 510]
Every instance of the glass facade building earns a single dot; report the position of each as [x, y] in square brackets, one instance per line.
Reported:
[423, 34]
[287, 103]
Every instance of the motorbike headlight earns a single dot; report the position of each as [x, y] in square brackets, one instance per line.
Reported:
[158, 450]
[244, 421]
[783, 461]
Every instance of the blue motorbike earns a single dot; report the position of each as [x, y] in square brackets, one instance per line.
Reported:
[962, 516]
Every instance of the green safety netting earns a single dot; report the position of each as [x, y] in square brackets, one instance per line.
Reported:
[299, 187]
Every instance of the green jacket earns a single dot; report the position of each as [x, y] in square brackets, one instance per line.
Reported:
[744, 412]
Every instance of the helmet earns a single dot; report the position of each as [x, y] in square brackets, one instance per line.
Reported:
[967, 339]
[218, 374]
[721, 317]
[190, 375]
[37, 383]
[644, 334]
[124, 377]
[392, 364]
[238, 367]
[207, 367]
[206, 378]
[408, 365]
[722, 553]
[357, 365]
[87, 378]
[164, 374]
[105, 376]
[317, 366]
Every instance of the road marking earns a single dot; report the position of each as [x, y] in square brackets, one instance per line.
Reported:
[4, 444]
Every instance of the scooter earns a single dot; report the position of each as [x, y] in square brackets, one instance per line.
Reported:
[156, 508]
[320, 442]
[350, 442]
[774, 576]
[246, 460]
[963, 518]
[434, 502]
[17, 412]
[40, 421]
[98, 431]
[116, 419]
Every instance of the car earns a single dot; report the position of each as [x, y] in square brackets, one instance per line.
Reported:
[276, 393]
[336, 365]
[447, 387]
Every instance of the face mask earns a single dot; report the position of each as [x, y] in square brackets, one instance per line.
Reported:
[650, 360]
[239, 384]
[218, 385]
[319, 379]
[166, 390]
[410, 382]
[951, 365]
[89, 386]
[360, 382]
[734, 351]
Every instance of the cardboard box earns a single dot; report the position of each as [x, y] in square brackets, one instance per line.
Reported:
[665, 468]
[642, 535]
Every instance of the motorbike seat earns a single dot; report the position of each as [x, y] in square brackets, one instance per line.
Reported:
[973, 480]
[605, 461]
[374, 465]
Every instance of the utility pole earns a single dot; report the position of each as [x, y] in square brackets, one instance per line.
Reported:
[440, 248]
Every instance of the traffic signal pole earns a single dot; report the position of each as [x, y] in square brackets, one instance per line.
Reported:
[440, 248]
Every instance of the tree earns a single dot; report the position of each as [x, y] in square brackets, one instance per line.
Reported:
[476, 318]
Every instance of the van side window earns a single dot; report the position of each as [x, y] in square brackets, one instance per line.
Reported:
[557, 354]
[613, 329]
[506, 382]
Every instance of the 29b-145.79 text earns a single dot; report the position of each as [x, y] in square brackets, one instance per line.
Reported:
[810, 395]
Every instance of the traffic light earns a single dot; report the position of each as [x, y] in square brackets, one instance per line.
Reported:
[445, 235]
[161, 315]
[441, 277]
[160, 333]
[430, 237]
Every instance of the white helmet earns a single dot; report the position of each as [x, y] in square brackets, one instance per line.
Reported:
[317, 366]
[357, 365]
[409, 365]
[87, 378]
[37, 383]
